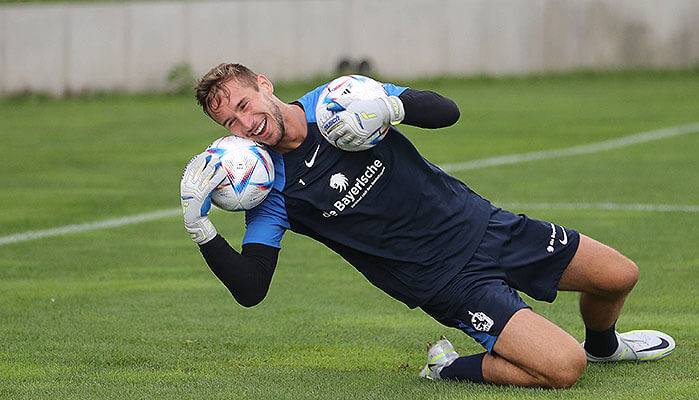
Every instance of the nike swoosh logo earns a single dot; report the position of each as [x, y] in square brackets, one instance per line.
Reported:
[312, 161]
[565, 237]
[663, 344]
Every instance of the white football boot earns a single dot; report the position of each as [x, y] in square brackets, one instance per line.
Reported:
[641, 345]
[439, 355]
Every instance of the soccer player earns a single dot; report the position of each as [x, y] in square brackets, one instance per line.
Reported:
[413, 231]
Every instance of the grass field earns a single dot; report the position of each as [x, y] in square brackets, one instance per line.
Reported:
[133, 311]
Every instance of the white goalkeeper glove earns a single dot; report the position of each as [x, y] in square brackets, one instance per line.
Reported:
[201, 176]
[361, 123]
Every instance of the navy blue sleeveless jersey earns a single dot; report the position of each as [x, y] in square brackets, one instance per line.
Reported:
[407, 226]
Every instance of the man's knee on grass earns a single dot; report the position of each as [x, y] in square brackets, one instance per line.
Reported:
[565, 372]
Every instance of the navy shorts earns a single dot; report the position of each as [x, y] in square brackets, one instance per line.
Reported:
[517, 253]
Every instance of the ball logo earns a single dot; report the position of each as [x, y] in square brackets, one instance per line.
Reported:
[481, 322]
[339, 181]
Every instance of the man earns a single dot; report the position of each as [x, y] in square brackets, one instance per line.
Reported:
[417, 233]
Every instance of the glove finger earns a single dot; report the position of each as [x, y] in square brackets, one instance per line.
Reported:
[192, 166]
[337, 131]
[203, 162]
[349, 137]
[209, 171]
[191, 172]
[357, 141]
[216, 178]
[210, 184]
[195, 174]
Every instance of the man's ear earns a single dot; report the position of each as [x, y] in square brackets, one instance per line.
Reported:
[265, 84]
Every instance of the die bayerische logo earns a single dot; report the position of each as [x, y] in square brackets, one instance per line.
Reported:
[351, 193]
[339, 181]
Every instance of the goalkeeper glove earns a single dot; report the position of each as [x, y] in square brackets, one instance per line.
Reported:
[361, 123]
[201, 176]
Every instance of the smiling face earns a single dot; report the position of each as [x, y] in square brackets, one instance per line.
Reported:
[244, 103]
[249, 112]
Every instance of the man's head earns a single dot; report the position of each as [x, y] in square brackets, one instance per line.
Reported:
[210, 89]
[242, 102]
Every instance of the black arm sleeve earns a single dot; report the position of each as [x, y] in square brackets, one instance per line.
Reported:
[427, 109]
[248, 275]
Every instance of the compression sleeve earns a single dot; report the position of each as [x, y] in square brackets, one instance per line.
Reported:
[248, 275]
[427, 109]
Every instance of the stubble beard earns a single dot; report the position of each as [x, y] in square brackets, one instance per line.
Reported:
[278, 120]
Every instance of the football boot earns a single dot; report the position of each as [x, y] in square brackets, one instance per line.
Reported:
[439, 355]
[640, 345]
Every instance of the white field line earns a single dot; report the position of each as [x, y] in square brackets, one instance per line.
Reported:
[604, 206]
[90, 226]
[623, 141]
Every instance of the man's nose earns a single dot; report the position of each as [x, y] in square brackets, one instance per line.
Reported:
[246, 122]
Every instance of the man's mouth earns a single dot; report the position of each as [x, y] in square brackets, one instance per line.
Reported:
[260, 128]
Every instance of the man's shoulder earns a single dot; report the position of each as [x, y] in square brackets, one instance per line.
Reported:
[309, 100]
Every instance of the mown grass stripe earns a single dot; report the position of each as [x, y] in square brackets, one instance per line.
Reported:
[606, 145]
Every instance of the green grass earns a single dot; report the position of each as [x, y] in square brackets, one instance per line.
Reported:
[133, 312]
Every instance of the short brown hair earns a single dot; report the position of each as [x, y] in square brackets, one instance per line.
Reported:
[210, 89]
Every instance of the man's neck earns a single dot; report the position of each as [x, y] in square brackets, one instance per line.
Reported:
[295, 126]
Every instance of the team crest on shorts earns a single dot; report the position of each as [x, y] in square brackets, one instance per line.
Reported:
[481, 322]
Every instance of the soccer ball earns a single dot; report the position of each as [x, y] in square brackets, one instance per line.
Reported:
[353, 87]
[250, 173]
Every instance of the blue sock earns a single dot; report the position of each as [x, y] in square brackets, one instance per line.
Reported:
[601, 343]
[467, 368]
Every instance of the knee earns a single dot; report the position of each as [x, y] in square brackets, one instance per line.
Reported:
[567, 370]
[626, 274]
[619, 277]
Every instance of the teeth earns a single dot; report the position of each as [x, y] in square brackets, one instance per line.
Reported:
[260, 128]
